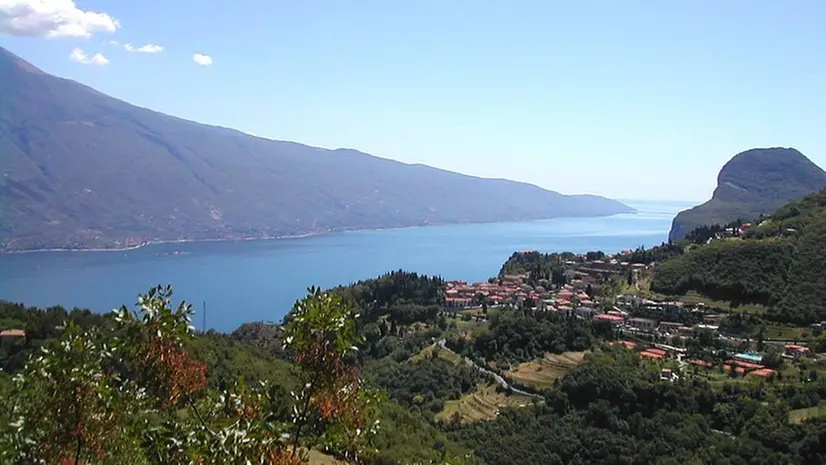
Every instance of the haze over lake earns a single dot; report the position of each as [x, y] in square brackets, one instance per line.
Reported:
[260, 280]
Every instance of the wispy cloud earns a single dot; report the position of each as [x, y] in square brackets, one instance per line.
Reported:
[148, 48]
[201, 59]
[52, 18]
[78, 55]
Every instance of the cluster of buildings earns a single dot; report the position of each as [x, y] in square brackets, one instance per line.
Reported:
[583, 276]
[749, 364]
[622, 315]
[509, 289]
[745, 364]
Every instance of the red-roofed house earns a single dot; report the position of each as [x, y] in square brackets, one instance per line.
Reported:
[737, 369]
[657, 351]
[8, 336]
[615, 319]
[13, 333]
[764, 373]
[699, 363]
[651, 355]
[795, 351]
[746, 365]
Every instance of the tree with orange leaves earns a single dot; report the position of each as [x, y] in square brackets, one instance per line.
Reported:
[133, 394]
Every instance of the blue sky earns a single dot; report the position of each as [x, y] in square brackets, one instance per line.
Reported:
[627, 99]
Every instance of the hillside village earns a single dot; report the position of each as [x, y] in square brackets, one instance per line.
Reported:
[656, 328]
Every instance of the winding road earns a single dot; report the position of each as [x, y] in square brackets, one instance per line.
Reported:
[497, 378]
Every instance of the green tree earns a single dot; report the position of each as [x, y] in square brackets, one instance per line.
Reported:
[132, 393]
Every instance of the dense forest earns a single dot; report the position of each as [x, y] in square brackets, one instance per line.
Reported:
[405, 297]
[522, 335]
[613, 409]
[548, 267]
[777, 263]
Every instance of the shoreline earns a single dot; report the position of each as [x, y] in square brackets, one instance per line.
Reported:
[293, 236]
[162, 242]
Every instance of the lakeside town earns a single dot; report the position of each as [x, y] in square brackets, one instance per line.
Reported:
[655, 328]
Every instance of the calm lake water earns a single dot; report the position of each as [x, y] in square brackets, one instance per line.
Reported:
[260, 280]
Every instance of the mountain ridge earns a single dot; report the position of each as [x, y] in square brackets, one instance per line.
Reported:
[753, 183]
[83, 170]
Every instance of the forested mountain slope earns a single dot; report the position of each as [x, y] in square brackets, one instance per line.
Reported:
[81, 169]
[754, 182]
[778, 263]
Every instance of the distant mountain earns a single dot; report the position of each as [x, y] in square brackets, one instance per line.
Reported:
[81, 169]
[754, 182]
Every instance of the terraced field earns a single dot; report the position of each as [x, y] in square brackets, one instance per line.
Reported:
[481, 405]
[541, 373]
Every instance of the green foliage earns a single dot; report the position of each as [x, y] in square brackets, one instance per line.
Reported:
[738, 271]
[778, 263]
[405, 437]
[425, 384]
[538, 266]
[40, 325]
[518, 336]
[64, 405]
[132, 391]
[396, 293]
[656, 254]
[613, 409]
[228, 360]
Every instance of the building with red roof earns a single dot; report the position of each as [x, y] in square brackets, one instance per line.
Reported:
[699, 363]
[13, 333]
[763, 373]
[8, 336]
[748, 366]
[615, 319]
[796, 351]
[657, 351]
[651, 355]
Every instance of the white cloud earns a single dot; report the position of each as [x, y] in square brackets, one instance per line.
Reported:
[201, 59]
[51, 18]
[80, 56]
[148, 48]
[114, 42]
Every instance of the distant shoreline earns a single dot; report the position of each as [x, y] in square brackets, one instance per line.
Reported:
[161, 242]
[293, 236]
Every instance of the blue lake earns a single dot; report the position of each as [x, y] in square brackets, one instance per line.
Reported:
[260, 280]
